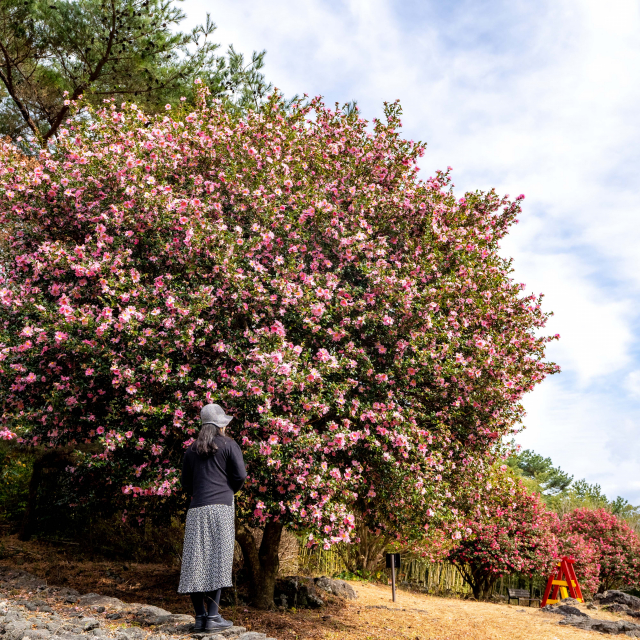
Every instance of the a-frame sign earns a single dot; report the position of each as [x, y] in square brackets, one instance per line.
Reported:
[562, 582]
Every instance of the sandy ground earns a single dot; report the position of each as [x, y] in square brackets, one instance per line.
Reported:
[373, 616]
[416, 616]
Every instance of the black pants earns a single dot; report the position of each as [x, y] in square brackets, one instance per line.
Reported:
[206, 603]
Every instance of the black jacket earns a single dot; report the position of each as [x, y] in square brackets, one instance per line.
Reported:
[215, 479]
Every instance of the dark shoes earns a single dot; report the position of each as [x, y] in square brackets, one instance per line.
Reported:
[216, 623]
[200, 623]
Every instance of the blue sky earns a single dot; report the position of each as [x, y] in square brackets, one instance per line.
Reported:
[540, 98]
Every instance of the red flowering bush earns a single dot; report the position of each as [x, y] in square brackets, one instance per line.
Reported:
[507, 530]
[289, 265]
[585, 554]
[616, 547]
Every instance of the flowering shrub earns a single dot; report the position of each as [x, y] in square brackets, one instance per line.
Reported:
[506, 531]
[585, 554]
[291, 266]
[616, 547]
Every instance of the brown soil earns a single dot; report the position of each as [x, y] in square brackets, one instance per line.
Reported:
[372, 617]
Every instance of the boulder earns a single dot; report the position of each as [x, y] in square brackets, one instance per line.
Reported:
[97, 600]
[336, 587]
[618, 597]
[565, 610]
[130, 633]
[297, 591]
[15, 630]
[616, 607]
[89, 624]
[148, 614]
[36, 634]
[603, 626]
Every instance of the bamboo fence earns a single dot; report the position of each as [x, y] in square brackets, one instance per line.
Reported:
[440, 578]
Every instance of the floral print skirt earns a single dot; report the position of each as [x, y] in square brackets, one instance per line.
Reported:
[207, 554]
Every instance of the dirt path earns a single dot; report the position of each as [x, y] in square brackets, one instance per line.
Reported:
[416, 616]
[371, 617]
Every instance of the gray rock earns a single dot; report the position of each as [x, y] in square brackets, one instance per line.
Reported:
[99, 632]
[616, 607]
[231, 632]
[299, 591]
[181, 618]
[577, 621]
[603, 626]
[149, 614]
[98, 608]
[17, 579]
[89, 624]
[619, 597]
[36, 634]
[252, 635]
[95, 599]
[40, 623]
[565, 610]
[13, 615]
[620, 626]
[568, 601]
[176, 629]
[336, 587]
[130, 633]
[72, 628]
[15, 630]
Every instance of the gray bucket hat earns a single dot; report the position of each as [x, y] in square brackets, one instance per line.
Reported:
[214, 414]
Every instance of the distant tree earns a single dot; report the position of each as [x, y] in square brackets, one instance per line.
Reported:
[506, 530]
[54, 51]
[617, 545]
[561, 494]
[550, 480]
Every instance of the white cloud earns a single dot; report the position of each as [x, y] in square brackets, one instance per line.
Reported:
[632, 383]
[535, 98]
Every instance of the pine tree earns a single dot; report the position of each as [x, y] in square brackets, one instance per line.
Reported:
[54, 51]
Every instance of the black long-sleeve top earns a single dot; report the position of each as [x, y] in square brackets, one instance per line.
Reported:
[213, 480]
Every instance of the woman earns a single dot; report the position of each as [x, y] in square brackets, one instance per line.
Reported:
[212, 471]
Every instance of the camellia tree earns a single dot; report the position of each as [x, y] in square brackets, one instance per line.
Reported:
[585, 554]
[616, 546]
[507, 530]
[289, 264]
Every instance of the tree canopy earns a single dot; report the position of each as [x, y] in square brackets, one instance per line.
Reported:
[288, 264]
[52, 52]
[562, 494]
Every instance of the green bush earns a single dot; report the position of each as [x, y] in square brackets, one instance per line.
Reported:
[15, 471]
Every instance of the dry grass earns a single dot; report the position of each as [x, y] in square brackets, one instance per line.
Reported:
[426, 617]
[371, 617]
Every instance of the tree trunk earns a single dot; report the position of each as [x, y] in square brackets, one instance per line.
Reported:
[366, 555]
[52, 459]
[263, 562]
[29, 519]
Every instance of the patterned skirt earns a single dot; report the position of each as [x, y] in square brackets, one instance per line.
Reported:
[207, 554]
